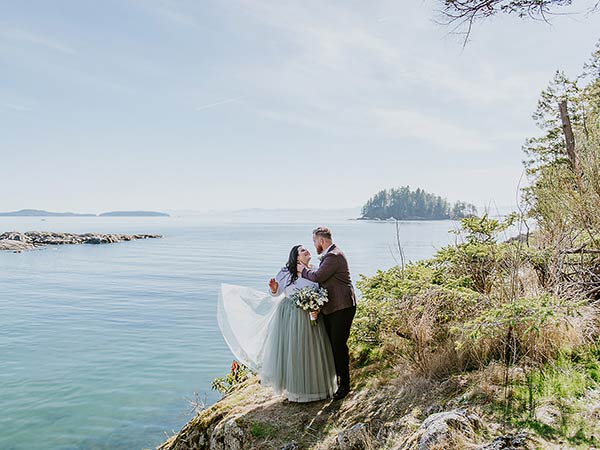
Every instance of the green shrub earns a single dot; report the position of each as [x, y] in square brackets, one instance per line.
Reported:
[238, 374]
[537, 328]
[468, 305]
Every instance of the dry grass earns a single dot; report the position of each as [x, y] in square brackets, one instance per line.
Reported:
[392, 407]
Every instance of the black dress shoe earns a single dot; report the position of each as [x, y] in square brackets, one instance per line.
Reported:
[341, 393]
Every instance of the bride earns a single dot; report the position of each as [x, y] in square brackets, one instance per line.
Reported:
[275, 338]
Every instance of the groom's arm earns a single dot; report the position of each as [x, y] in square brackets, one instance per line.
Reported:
[325, 271]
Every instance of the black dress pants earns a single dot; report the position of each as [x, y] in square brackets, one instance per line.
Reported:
[338, 326]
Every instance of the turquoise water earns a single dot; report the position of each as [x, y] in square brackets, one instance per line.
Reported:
[101, 347]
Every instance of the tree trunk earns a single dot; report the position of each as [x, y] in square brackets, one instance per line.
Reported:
[568, 131]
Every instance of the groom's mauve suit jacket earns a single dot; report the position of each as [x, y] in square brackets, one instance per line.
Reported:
[333, 274]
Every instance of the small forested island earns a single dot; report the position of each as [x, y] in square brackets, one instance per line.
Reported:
[405, 204]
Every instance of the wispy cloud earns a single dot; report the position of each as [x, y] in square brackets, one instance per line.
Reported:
[167, 12]
[391, 124]
[221, 102]
[170, 11]
[14, 107]
[346, 70]
[28, 37]
[431, 129]
[374, 83]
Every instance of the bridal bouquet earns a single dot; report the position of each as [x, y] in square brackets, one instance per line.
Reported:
[310, 299]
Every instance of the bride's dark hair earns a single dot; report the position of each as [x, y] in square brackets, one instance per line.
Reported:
[292, 264]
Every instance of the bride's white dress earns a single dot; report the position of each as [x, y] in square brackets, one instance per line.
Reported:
[275, 338]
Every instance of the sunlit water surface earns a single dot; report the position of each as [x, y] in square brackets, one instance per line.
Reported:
[103, 346]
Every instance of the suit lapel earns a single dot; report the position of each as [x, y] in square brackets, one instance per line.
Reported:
[329, 250]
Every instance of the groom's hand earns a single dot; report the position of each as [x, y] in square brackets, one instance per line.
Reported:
[300, 268]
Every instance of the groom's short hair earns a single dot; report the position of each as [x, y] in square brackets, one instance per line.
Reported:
[323, 232]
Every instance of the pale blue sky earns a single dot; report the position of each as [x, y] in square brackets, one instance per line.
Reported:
[240, 104]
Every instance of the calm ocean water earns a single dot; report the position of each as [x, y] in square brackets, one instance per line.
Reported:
[101, 347]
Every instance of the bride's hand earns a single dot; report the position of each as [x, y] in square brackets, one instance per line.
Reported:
[274, 285]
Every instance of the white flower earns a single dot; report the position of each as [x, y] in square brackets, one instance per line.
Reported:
[309, 298]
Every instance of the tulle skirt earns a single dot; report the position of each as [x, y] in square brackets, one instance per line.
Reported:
[297, 356]
[275, 338]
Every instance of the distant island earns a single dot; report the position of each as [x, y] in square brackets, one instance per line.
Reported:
[405, 204]
[133, 214]
[42, 213]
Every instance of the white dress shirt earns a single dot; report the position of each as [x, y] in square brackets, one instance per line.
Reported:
[326, 251]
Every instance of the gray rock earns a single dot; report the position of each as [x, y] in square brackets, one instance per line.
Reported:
[433, 409]
[401, 426]
[227, 436]
[9, 240]
[97, 240]
[234, 436]
[291, 446]
[508, 442]
[14, 236]
[15, 246]
[354, 438]
[437, 427]
[548, 414]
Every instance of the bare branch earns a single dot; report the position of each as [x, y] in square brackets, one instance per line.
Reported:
[464, 13]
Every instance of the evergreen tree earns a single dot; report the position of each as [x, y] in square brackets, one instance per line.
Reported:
[402, 204]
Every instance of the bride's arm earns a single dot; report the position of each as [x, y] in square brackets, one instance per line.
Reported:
[281, 282]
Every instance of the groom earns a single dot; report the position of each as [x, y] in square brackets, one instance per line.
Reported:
[333, 274]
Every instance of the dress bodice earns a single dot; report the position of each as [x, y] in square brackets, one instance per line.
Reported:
[283, 279]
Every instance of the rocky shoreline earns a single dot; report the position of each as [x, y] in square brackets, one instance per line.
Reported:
[17, 242]
[396, 415]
